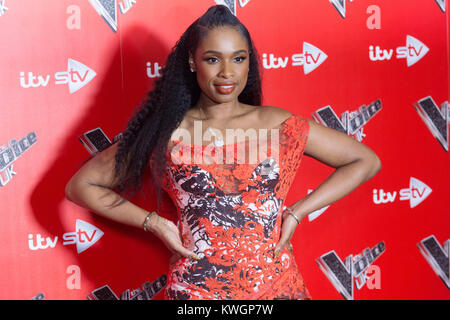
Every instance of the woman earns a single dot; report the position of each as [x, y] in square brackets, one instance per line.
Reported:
[234, 237]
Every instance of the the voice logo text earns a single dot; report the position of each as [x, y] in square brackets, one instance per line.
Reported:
[15, 149]
[359, 267]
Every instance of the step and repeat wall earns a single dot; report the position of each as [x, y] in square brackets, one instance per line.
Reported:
[72, 71]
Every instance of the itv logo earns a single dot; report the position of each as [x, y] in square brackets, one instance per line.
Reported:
[416, 193]
[412, 52]
[84, 237]
[76, 77]
[310, 59]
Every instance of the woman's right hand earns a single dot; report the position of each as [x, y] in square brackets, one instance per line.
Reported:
[169, 234]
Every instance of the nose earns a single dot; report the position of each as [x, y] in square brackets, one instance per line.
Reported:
[227, 70]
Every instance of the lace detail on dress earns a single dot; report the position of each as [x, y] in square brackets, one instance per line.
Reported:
[229, 211]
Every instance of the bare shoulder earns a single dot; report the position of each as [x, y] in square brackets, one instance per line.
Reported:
[272, 116]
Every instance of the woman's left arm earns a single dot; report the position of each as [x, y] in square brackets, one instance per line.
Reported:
[355, 163]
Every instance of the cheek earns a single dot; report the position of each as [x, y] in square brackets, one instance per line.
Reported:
[202, 80]
[204, 76]
[244, 76]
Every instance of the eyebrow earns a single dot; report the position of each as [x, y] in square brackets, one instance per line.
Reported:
[219, 53]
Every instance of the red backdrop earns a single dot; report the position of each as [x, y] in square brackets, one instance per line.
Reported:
[68, 67]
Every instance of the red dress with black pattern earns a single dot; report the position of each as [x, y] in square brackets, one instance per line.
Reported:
[229, 201]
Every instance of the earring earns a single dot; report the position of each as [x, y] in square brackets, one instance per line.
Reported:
[191, 62]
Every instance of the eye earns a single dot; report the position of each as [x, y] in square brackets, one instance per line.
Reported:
[240, 59]
[211, 60]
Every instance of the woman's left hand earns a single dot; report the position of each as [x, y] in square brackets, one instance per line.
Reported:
[288, 225]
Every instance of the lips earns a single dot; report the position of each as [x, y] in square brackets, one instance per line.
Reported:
[225, 88]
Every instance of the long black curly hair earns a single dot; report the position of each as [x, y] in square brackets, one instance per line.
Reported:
[148, 133]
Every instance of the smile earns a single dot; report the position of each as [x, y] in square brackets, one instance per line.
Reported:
[225, 89]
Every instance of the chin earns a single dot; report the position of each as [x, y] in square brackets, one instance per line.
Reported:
[216, 98]
[224, 98]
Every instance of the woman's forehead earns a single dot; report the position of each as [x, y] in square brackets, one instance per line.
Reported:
[223, 40]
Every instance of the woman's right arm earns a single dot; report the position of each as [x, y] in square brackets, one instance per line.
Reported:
[92, 188]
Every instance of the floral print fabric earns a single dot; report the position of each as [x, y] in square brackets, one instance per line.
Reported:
[230, 213]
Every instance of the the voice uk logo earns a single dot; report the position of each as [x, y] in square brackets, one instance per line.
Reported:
[107, 9]
[84, 237]
[232, 5]
[437, 256]
[76, 76]
[359, 268]
[436, 119]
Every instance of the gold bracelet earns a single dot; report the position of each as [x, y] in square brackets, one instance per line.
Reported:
[289, 211]
[146, 219]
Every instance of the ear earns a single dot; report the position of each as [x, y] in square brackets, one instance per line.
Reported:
[191, 62]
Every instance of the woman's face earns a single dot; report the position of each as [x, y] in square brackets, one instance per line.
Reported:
[221, 62]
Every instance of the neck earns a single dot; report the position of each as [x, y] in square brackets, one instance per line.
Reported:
[214, 111]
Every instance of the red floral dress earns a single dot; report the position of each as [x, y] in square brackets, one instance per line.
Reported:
[229, 201]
